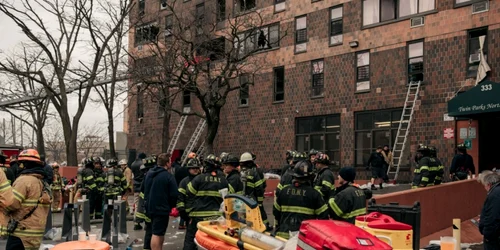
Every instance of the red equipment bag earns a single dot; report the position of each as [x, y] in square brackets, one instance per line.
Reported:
[174, 212]
[336, 235]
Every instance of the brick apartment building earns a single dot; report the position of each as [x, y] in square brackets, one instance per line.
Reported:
[339, 79]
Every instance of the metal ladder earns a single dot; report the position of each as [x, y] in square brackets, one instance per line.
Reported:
[404, 128]
[201, 149]
[194, 139]
[177, 133]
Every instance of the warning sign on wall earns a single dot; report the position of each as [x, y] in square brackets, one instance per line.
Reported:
[449, 133]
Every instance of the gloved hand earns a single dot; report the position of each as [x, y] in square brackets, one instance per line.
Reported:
[174, 212]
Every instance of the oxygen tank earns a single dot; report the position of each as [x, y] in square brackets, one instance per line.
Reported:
[111, 176]
[79, 177]
[260, 240]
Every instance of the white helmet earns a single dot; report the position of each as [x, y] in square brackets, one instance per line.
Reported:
[122, 162]
[246, 157]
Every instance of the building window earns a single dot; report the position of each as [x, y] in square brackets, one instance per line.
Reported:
[214, 49]
[363, 71]
[300, 34]
[140, 102]
[146, 33]
[464, 2]
[373, 129]
[169, 25]
[200, 15]
[321, 133]
[474, 54]
[221, 10]
[244, 5]
[416, 61]
[244, 90]
[279, 5]
[186, 98]
[142, 7]
[377, 11]
[264, 38]
[163, 4]
[318, 77]
[279, 84]
[336, 26]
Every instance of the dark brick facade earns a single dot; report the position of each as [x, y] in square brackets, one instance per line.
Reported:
[268, 129]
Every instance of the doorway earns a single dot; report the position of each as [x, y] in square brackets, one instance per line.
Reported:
[489, 139]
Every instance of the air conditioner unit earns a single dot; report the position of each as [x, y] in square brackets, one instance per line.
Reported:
[475, 58]
[139, 47]
[480, 7]
[244, 102]
[163, 5]
[416, 22]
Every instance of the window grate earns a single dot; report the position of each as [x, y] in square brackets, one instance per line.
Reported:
[301, 36]
[364, 73]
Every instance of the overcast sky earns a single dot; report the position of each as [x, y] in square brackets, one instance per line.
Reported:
[94, 113]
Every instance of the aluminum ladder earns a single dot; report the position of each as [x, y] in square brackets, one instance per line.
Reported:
[194, 139]
[201, 149]
[177, 133]
[404, 129]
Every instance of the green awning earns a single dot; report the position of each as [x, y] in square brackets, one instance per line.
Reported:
[483, 98]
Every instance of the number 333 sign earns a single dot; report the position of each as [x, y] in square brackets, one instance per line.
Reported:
[486, 87]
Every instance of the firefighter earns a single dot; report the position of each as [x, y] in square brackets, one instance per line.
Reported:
[230, 166]
[205, 190]
[184, 205]
[422, 172]
[440, 170]
[14, 165]
[287, 177]
[251, 178]
[140, 215]
[223, 156]
[462, 164]
[6, 199]
[325, 180]
[288, 158]
[11, 176]
[86, 183]
[100, 180]
[31, 204]
[260, 198]
[349, 200]
[298, 202]
[57, 187]
[311, 156]
[127, 173]
[115, 181]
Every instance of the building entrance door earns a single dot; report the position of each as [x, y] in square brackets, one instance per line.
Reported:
[489, 141]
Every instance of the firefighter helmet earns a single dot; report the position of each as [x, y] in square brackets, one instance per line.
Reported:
[313, 152]
[433, 151]
[96, 160]
[232, 160]
[193, 163]
[112, 162]
[289, 155]
[461, 146]
[223, 155]
[87, 162]
[298, 156]
[422, 148]
[303, 169]
[30, 155]
[246, 157]
[149, 161]
[322, 158]
[122, 162]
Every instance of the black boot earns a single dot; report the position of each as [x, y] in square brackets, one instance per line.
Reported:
[137, 227]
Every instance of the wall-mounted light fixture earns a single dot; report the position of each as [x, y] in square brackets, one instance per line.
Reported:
[354, 44]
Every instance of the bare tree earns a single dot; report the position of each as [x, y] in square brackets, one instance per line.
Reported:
[204, 53]
[19, 86]
[54, 142]
[91, 140]
[97, 20]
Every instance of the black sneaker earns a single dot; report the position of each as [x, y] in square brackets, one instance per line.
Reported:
[373, 187]
[137, 227]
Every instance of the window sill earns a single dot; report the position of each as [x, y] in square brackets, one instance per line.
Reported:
[300, 52]
[318, 97]
[265, 50]
[278, 11]
[243, 106]
[398, 20]
[242, 13]
[460, 5]
[362, 91]
[279, 102]
[336, 44]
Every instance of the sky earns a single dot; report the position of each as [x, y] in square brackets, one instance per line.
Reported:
[94, 113]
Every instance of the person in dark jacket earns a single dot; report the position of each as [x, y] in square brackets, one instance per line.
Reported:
[377, 163]
[183, 203]
[49, 177]
[140, 214]
[287, 176]
[14, 165]
[206, 190]
[349, 200]
[425, 172]
[325, 180]
[489, 222]
[462, 164]
[183, 172]
[176, 166]
[138, 177]
[288, 159]
[298, 202]
[160, 196]
[230, 166]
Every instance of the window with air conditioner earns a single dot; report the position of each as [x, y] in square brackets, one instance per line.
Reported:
[416, 61]
[146, 33]
[301, 34]
[244, 5]
[379, 11]
[318, 78]
[336, 25]
[474, 54]
[141, 7]
[363, 71]
[279, 5]
[244, 90]
[163, 4]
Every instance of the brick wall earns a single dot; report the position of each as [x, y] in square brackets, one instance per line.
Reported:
[268, 128]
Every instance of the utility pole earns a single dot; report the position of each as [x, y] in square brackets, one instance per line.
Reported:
[22, 132]
[4, 129]
[13, 122]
